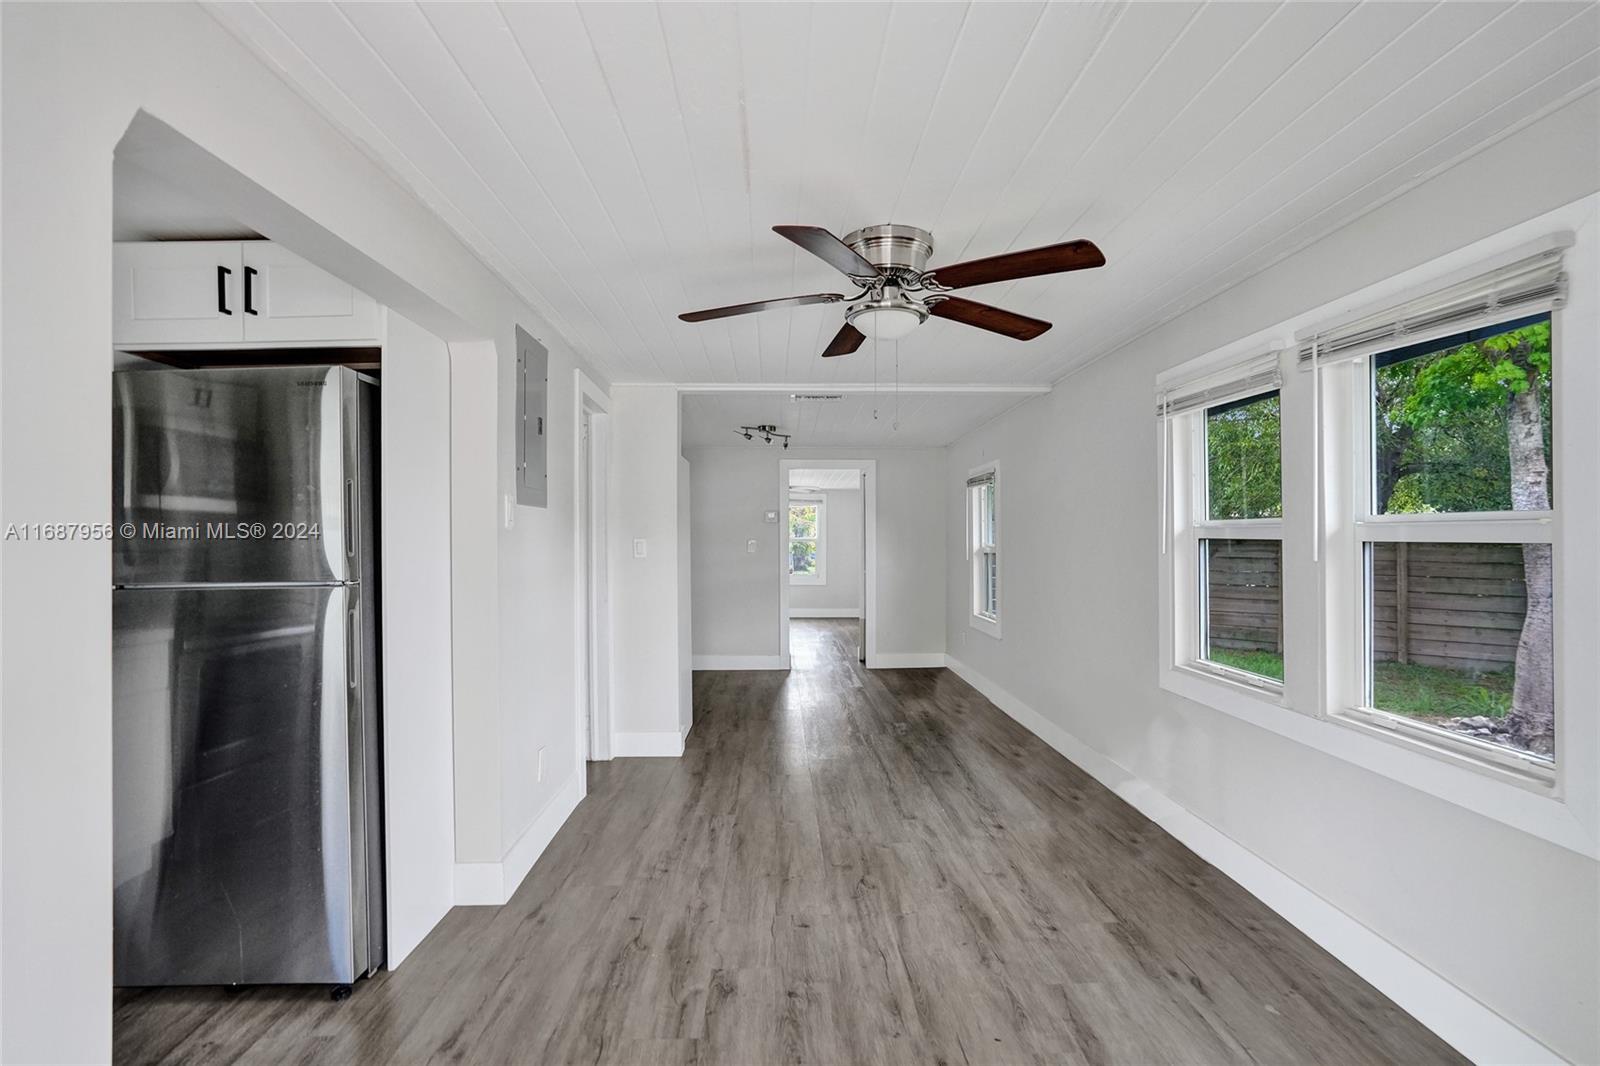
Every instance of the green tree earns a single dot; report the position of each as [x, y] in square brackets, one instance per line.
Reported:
[1437, 413]
[1244, 467]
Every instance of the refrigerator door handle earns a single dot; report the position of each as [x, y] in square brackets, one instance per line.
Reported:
[353, 646]
[349, 518]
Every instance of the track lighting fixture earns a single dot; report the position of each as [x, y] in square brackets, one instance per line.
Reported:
[767, 433]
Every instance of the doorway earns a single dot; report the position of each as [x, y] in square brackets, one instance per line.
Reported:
[594, 585]
[827, 588]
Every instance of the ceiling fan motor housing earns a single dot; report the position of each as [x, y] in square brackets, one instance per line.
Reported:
[897, 251]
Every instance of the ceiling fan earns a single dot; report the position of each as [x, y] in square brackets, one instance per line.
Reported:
[898, 293]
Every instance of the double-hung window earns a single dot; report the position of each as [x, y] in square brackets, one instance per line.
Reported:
[1224, 538]
[807, 519]
[1455, 596]
[983, 548]
[1421, 601]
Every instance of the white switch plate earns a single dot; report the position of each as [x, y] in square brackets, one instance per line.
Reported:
[639, 547]
[750, 546]
[539, 772]
[510, 510]
[772, 517]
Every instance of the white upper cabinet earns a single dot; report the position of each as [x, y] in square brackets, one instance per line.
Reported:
[187, 294]
[288, 299]
[177, 292]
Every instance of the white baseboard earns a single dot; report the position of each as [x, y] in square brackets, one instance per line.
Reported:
[493, 883]
[824, 612]
[907, 660]
[1465, 1023]
[737, 662]
[647, 745]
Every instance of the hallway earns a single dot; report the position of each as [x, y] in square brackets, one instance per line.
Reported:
[843, 868]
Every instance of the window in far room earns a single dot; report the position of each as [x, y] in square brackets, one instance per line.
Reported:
[806, 546]
[983, 540]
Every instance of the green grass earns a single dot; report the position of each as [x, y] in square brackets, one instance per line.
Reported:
[1403, 688]
[1260, 663]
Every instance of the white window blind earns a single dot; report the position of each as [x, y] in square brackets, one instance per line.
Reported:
[1528, 285]
[1240, 380]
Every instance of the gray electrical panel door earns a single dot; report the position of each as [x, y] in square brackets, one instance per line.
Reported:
[533, 392]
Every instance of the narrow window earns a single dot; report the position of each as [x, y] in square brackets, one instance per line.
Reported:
[1239, 539]
[983, 537]
[806, 521]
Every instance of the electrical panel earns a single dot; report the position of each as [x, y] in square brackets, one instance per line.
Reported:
[533, 394]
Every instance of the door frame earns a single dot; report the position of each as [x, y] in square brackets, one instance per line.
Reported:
[869, 590]
[591, 585]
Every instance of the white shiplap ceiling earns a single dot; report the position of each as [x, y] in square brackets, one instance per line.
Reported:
[859, 419]
[621, 163]
[834, 480]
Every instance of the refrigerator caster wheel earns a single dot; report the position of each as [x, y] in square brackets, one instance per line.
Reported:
[340, 993]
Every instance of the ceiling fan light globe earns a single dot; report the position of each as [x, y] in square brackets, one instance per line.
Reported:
[886, 323]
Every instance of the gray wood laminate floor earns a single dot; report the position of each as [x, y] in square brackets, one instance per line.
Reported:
[844, 867]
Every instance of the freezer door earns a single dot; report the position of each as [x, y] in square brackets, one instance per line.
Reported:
[233, 779]
[238, 475]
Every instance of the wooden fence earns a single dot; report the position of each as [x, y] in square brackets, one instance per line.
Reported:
[1245, 594]
[1453, 605]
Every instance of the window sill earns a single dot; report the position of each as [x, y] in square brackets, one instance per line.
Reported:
[989, 626]
[1466, 781]
[1491, 760]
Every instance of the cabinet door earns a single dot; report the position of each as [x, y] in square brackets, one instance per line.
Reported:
[291, 300]
[177, 292]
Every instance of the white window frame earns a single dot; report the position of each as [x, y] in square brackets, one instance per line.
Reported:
[982, 621]
[1324, 566]
[1350, 458]
[821, 503]
[1187, 501]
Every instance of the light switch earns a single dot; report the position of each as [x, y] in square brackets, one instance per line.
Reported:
[638, 547]
[510, 509]
[750, 546]
[772, 518]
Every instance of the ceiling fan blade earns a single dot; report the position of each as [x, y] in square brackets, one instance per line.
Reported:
[1051, 259]
[847, 340]
[761, 305]
[830, 249]
[971, 313]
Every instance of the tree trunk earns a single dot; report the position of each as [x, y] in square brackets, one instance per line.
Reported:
[1533, 705]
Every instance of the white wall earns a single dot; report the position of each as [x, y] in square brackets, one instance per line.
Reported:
[736, 593]
[419, 832]
[1507, 917]
[843, 546]
[647, 677]
[73, 77]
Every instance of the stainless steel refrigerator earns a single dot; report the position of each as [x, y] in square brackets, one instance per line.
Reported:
[248, 843]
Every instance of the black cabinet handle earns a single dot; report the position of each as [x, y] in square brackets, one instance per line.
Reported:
[249, 277]
[222, 289]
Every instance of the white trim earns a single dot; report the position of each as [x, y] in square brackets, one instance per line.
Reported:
[668, 744]
[987, 388]
[592, 730]
[735, 662]
[1455, 1016]
[494, 883]
[825, 612]
[869, 592]
[910, 660]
